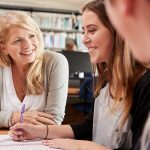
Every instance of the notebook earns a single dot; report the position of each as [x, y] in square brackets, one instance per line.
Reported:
[6, 143]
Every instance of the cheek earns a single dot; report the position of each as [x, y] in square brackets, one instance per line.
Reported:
[106, 45]
[35, 41]
[12, 54]
[8, 50]
[12, 51]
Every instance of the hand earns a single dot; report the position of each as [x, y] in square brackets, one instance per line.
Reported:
[69, 144]
[33, 117]
[25, 131]
[65, 144]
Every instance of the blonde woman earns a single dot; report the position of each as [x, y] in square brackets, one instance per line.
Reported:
[29, 75]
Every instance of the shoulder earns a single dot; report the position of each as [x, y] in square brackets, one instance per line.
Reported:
[52, 57]
[54, 61]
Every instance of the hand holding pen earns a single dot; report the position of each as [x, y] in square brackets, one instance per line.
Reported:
[32, 117]
[21, 117]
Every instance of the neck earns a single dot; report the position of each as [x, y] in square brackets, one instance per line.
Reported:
[20, 69]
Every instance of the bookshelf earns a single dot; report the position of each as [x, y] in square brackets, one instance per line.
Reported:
[56, 27]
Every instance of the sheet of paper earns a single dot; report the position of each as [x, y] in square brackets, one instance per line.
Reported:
[6, 143]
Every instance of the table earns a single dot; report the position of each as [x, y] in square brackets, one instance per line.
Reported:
[72, 90]
[4, 131]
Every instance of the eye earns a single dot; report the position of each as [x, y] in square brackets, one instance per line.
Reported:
[31, 36]
[92, 31]
[17, 41]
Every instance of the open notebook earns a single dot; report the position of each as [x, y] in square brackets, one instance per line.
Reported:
[6, 143]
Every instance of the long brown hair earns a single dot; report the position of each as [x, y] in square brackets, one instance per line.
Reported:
[119, 71]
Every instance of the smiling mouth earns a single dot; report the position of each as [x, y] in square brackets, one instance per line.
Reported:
[27, 53]
[92, 48]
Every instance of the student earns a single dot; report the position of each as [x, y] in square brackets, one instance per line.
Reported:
[29, 75]
[112, 120]
[70, 45]
[131, 19]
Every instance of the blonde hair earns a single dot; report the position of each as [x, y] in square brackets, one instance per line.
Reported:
[120, 70]
[34, 77]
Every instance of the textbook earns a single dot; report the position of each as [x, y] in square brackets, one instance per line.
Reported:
[6, 143]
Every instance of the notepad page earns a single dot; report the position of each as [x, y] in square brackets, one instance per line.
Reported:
[6, 143]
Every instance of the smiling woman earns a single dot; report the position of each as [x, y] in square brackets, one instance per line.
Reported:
[21, 45]
[30, 76]
[96, 33]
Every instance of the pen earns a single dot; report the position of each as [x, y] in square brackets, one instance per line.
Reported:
[21, 113]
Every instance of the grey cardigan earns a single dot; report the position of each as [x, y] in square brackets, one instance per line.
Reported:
[56, 74]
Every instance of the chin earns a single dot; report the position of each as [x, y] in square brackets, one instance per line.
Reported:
[29, 61]
[94, 61]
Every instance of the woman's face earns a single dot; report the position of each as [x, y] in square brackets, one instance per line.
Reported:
[21, 45]
[97, 38]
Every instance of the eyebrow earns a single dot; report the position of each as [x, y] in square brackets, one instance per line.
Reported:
[18, 37]
[90, 25]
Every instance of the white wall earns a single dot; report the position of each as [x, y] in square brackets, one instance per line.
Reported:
[53, 4]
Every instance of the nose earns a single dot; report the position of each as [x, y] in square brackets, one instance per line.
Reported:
[27, 43]
[85, 39]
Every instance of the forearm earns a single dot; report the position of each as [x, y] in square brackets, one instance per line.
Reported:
[58, 131]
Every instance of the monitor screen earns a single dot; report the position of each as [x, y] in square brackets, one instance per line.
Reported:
[78, 61]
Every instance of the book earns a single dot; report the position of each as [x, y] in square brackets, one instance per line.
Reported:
[6, 143]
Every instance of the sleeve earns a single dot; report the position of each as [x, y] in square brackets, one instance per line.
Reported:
[57, 88]
[83, 131]
[4, 115]
[140, 108]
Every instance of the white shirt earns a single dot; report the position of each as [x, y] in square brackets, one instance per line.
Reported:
[106, 123]
[10, 99]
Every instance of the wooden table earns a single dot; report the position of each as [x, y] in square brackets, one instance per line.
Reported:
[73, 90]
[4, 131]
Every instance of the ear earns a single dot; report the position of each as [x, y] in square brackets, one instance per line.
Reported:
[128, 6]
[2, 48]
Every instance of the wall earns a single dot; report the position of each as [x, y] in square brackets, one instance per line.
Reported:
[74, 5]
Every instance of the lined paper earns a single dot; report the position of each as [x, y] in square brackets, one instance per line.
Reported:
[6, 143]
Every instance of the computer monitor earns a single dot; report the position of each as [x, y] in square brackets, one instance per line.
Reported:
[78, 62]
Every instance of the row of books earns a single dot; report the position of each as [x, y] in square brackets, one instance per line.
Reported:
[58, 21]
[54, 40]
[55, 21]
